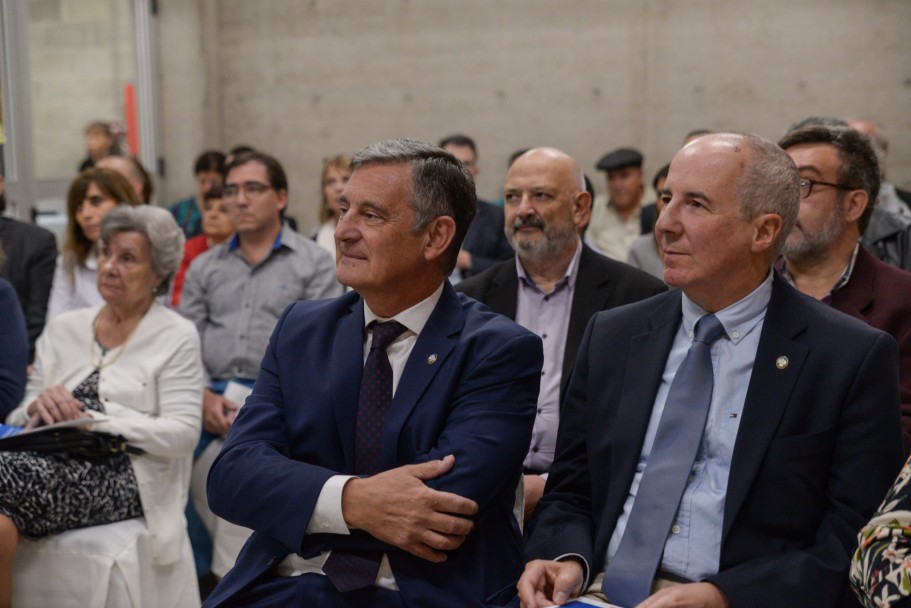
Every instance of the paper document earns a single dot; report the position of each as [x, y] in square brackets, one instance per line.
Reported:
[237, 392]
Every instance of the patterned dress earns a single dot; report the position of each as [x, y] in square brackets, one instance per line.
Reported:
[50, 493]
[881, 568]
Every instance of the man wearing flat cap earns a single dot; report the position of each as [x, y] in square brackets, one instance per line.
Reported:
[616, 218]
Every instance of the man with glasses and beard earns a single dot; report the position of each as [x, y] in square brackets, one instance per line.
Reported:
[839, 180]
[554, 285]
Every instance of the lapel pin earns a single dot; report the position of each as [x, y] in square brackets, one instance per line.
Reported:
[781, 362]
[432, 359]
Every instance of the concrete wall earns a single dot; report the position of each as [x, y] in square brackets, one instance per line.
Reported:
[303, 80]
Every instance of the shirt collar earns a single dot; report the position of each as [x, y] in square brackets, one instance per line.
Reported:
[234, 243]
[841, 282]
[569, 276]
[414, 318]
[738, 319]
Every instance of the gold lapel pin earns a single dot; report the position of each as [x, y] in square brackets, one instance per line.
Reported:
[432, 359]
[781, 362]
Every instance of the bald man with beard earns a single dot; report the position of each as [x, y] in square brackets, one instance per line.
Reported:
[554, 284]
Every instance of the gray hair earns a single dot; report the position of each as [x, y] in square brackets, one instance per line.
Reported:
[440, 185]
[769, 183]
[166, 239]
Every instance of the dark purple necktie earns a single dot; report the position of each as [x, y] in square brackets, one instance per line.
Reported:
[347, 570]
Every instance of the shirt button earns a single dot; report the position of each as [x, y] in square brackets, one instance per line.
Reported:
[535, 449]
[542, 372]
[735, 334]
[544, 336]
[547, 298]
[676, 529]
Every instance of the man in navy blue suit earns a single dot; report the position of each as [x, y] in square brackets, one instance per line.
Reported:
[797, 437]
[414, 508]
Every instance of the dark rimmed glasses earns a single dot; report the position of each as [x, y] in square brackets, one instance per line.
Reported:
[806, 186]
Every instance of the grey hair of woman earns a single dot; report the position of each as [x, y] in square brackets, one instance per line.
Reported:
[166, 239]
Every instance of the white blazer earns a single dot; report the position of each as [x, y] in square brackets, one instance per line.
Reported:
[152, 394]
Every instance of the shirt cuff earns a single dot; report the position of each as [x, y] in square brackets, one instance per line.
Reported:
[327, 517]
[586, 568]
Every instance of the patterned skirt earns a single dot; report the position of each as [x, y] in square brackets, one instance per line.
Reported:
[50, 493]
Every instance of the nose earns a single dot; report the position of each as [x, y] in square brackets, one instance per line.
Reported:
[346, 228]
[668, 219]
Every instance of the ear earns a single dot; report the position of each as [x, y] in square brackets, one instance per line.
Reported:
[438, 235]
[582, 208]
[282, 199]
[855, 203]
[766, 228]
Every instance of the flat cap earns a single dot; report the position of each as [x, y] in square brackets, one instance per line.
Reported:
[621, 157]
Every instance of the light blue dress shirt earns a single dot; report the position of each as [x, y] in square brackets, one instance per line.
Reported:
[693, 545]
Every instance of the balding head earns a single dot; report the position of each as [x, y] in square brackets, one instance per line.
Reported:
[134, 172]
[545, 204]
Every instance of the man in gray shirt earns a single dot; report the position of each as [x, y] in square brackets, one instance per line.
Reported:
[236, 292]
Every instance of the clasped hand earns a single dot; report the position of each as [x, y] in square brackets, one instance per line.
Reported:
[54, 404]
[398, 508]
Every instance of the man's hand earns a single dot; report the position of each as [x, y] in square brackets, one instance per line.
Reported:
[396, 507]
[217, 413]
[534, 490]
[545, 582]
[54, 404]
[692, 595]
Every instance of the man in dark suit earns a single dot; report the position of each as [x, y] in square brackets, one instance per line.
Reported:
[485, 243]
[840, 178]
[553, 285]
[395, 486]
[31, 252]
[794, 407]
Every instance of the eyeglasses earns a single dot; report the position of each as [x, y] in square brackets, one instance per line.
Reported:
[806, 186]
[251, 189]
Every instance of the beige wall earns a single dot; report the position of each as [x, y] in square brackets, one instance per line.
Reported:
[303, 80]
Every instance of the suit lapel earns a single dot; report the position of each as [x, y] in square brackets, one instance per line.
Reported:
[347, 367]
[644, 368]
[433, 347]
[771, 384]
[502, 294]
[590, 295]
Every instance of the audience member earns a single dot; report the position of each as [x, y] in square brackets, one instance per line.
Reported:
[100, 141]
[887, 235]
[216, 229]
[553, 285]
[91, 195]
[14, 354]
[881, 567]
[890, 197]
[653, 485]
[823, 257]
[29, 267]
[354, 505]
[133, 365]
[644, 252]
[333, 177]
[616, 216]
[235, 292]
[208, 171]
[131, 168]
[485, 244]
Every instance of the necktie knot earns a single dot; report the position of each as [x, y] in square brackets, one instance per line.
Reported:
[385, 334]
[708, 329]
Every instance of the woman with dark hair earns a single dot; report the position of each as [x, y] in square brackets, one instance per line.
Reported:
[335, 174]
[134, 366]
[91, 195]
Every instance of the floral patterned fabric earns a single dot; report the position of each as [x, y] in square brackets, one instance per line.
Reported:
[881, 568]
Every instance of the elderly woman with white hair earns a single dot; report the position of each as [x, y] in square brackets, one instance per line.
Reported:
[135, 367]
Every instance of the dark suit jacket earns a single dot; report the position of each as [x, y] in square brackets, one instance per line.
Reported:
[475, 398]
[818, 446]
[486, 240]
[601, 283]
[31, 252]
[880, 295]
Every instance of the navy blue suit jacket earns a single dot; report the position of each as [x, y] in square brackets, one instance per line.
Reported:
[818, 446]
[469, 389]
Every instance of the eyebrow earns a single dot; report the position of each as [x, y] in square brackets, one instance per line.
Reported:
[810, 168]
